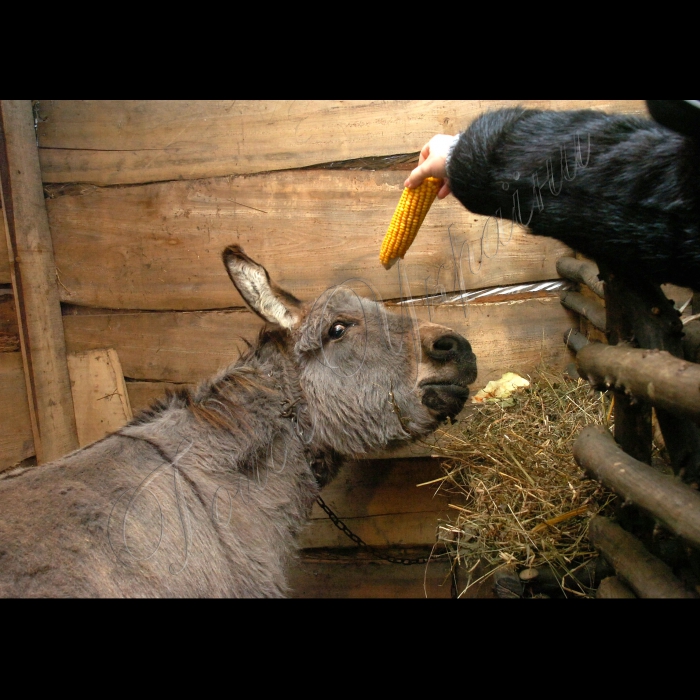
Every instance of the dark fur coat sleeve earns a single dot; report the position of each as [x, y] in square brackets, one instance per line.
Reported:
[616, 188]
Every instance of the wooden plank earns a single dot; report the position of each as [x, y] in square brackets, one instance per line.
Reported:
[168, 346]
[143, 394]
[34, 283]
[16, 440]
[380, 502]
[99, 394]
[9, 330]
[191, 346]
[5, 277]
[315, 578]
[159, 246]
[134, 141]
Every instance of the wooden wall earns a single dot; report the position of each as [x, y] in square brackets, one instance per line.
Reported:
[142, 196]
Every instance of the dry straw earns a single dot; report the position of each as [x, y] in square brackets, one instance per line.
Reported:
[519, 499]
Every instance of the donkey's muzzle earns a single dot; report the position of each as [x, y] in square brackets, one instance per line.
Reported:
[454, 349]
[447, 400]
[454, 364]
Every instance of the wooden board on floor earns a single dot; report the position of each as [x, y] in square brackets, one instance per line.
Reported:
[132, 141]
[312, 577]
[191, 346]
[159, 246]
[100, 398]
[16, 440]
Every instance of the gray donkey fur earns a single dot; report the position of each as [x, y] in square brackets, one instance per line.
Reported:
[204, 493]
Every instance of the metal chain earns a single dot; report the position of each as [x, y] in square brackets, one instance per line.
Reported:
[347, 531]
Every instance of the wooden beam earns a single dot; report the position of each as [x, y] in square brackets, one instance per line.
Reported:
[132, 141]
[9, 330]
[666, 498]
[588, 308]
[654, 375]
[575, 340]
[16, 439]
[646, 575]
[612, 587]
[5, 276]
[34, 282]
[339, 574]
[191, 346]
[581, 271]
[159, 246]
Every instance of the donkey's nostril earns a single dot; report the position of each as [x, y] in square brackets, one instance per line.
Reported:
[449, 346]
[446, 344]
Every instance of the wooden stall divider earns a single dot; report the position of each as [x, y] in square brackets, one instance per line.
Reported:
[34, 283]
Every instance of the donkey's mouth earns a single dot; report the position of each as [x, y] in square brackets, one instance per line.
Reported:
[447, 400]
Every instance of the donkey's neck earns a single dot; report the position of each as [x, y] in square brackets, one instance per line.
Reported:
[235, 420]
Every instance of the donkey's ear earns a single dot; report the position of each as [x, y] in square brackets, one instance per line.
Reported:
[264, 297]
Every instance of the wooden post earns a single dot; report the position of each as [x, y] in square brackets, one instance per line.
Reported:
[34, 284]
[666, 498]
[646, 575]
[632, 416]
[640, 314]
[612, 587]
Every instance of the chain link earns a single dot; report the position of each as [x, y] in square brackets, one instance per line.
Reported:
[347, 531]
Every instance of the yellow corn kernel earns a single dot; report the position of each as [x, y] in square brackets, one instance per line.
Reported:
[408, 218]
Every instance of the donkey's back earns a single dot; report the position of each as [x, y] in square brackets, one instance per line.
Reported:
[148, 513]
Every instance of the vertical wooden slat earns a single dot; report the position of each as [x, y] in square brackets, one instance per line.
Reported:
[33, 274]
[100, 397]
[5, 277]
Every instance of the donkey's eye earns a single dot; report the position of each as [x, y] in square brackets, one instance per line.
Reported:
[337, 330]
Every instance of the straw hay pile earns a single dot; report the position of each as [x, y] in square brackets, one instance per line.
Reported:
[519, 499]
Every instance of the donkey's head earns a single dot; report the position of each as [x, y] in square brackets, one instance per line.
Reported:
[369, 378]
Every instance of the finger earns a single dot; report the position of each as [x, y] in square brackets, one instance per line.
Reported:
[424, 153]
[444, 190]
[417, 176]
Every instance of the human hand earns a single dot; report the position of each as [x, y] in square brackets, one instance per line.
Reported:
[431, 163]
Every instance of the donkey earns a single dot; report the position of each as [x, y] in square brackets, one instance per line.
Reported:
[203, 494]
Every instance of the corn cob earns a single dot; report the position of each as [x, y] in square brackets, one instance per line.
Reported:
[407, 219]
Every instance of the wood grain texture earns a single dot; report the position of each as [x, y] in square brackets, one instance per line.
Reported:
[646, 575]
[380, 502]
[168, 346]
[9, 330]
[612, 587]
[668, 382]
[135, 141]
[5, 277]
[16, 440]
[143, 394]
[313, 577]
[159, 246]
[34, 283]
[100, 398]
[191, 346]
[666, 498]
